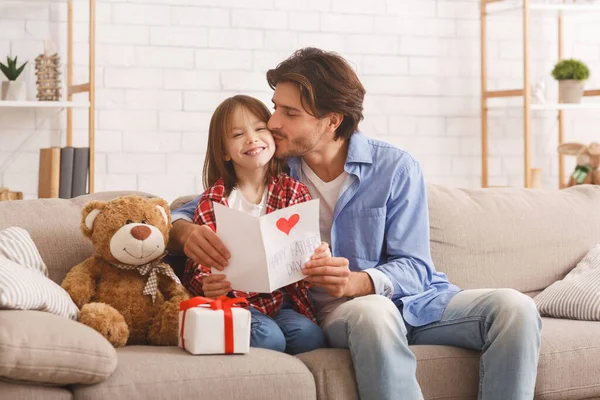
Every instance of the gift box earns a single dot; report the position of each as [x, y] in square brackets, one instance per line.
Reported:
[220, 326]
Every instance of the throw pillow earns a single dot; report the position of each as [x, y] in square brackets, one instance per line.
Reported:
[577, 296]
[47, 349]
[24, 284]
[17, 245]
[23, 289]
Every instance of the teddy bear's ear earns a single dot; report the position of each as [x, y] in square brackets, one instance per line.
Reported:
[594, 149]
[163, 208]
[89, 214]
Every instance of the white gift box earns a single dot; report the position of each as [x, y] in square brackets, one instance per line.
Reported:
[204, 330]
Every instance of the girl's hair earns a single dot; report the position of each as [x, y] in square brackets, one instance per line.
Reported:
[221, 123]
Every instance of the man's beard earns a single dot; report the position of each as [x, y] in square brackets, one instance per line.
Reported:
[296, 147]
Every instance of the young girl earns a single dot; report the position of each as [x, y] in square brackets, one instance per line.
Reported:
[241, 172]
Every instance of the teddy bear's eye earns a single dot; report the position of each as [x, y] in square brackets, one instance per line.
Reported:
[129, 221]
[143, 221]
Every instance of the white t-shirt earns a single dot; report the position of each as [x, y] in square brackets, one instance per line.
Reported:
[328, 194]
[237, 201]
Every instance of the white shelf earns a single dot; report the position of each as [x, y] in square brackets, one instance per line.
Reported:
[538, 8]
[43, 104]
[565, 106]
[23, 2]
[546, 106]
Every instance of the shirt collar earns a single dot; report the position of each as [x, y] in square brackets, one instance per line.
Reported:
[359, 152]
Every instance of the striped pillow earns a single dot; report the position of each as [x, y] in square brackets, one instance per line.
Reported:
[24, 284]
[577, 296]
[17, 245]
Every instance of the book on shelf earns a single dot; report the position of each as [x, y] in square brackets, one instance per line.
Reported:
[49, 173]
[81, 160]
[66, 172]
[63, 172]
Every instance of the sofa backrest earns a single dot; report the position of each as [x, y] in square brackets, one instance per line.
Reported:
[513, 237]
[524, 239]
[54, 227]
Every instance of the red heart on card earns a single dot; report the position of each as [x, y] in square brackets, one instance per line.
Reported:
[286, 225]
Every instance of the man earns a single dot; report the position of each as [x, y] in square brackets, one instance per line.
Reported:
[380, 291]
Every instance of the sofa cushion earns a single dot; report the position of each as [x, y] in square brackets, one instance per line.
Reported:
[442, 371]
[569, 360]
[511, 237]
[568, 367]
[54, 227]
[334, 376]
[22, 391]
[45, 348]
[148, 373]
[575, 296]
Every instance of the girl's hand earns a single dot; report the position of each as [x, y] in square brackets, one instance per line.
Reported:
[321, 252]
[215, 285]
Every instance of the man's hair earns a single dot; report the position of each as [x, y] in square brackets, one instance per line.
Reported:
[327, 84]
[221, 124]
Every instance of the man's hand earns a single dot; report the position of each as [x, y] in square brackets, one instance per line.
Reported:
[321, 252]
[333, 274]
[330, 273]
[215, 285]
[200, 244]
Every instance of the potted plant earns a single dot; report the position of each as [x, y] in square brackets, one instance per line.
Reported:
[570, 74]
[11, 89]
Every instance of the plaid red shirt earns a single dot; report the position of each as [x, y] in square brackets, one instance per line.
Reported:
[283, 191]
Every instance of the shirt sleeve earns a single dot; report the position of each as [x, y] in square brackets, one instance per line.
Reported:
[409, 266]
[185, 212]
[382, 284]
[193, 277]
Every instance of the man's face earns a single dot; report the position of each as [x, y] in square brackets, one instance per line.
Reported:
[295, 131]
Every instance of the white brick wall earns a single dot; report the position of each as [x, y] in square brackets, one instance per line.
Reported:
[164, 65]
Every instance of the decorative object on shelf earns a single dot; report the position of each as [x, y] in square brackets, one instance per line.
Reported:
[588, 161]
[538, 92]
[570, 74]
[47, 70]
[536, 178]
[6, 195]
[11, 89]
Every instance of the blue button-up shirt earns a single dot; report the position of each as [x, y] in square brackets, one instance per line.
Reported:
[381, 225]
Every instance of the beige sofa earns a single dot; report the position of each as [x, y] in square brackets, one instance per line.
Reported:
[523, 239]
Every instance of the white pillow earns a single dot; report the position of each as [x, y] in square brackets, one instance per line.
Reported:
[17, 245]
[24, 284]
[577, 296]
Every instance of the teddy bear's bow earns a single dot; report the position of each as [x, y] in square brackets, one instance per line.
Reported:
[153, 268]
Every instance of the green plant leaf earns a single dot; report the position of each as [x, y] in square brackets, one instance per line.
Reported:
[5, 70]
[570, 69]
[10, 70]
[18, 72]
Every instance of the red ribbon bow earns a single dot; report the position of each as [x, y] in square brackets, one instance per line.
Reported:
[222, 303]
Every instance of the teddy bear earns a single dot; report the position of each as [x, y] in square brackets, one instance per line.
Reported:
[588, 161]
[124, 290]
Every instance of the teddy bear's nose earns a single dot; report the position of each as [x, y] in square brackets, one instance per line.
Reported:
[141, 232]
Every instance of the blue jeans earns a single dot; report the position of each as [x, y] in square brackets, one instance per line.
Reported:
[287, 331]
[503, 324]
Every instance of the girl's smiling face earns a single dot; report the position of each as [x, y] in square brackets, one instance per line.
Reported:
[249, 145]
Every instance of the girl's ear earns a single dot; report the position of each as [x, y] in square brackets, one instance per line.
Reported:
[226, 157]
